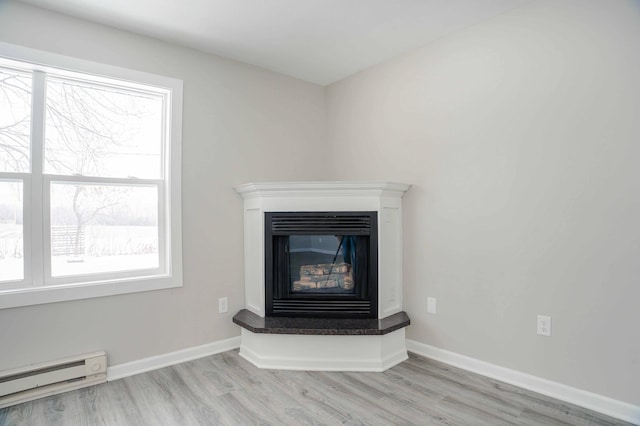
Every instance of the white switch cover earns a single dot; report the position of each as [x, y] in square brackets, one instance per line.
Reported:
[544, 325]
[431, 305]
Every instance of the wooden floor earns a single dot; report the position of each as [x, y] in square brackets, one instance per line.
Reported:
[225, 389]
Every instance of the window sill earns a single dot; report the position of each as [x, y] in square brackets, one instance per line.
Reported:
[61, 293]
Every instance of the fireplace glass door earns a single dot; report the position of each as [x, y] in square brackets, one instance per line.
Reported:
[321, 264]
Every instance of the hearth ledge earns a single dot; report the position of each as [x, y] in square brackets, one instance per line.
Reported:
[321, 326]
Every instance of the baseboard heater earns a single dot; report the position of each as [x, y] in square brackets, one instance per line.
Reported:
[50, 378]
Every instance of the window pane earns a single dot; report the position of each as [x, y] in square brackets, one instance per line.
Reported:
[11, 242]
[103, 228]
[94, 130]
[15, 121]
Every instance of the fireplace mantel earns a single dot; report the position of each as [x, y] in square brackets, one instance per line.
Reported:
[385, 198]
[322, 188]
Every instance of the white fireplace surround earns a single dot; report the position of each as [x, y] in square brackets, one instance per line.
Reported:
[342, 352]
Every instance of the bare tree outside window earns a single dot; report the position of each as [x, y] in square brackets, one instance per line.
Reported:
[113, 227]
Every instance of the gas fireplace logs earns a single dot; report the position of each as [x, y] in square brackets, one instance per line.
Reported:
[324, 276]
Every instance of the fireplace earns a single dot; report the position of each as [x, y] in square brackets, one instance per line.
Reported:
[321, 264]
[323, 275]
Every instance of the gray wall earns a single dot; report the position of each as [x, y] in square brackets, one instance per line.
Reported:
[240, 124]
[521, 137]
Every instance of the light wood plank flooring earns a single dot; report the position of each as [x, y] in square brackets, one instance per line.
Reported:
[225, 389]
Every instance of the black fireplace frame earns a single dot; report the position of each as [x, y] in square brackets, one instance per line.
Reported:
[281, 302]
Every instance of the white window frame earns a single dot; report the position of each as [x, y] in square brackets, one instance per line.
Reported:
[38, 286]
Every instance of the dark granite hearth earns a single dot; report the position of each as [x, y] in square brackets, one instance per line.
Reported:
[321, 326]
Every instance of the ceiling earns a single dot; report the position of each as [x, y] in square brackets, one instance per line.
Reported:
[320, 41]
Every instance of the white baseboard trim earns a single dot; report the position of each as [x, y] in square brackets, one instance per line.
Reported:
[159, 361]
[602, 404]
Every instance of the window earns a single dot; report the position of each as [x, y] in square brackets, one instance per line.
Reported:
[89, 179]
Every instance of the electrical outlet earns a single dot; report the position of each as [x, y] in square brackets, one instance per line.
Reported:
[223, 305]
[431, 305]
[544, 325]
